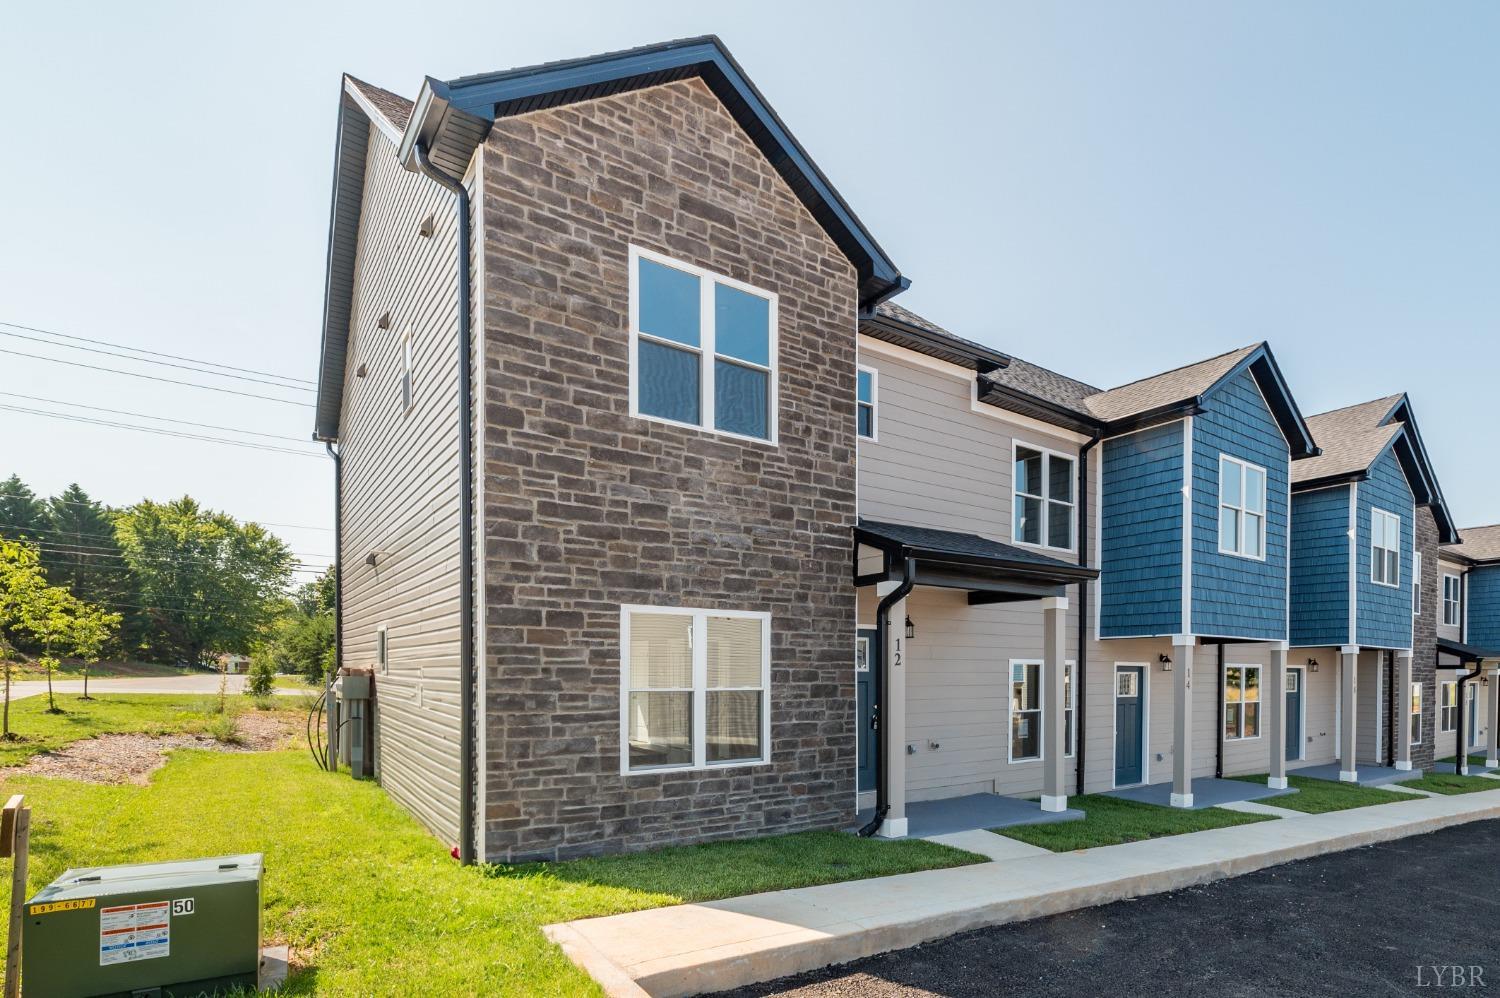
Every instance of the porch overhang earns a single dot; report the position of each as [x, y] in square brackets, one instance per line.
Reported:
[990, 571]
[1466, 654]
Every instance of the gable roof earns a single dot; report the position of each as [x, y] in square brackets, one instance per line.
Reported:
[450, 119]
[1355, 437]
[1478, 544]
[1158, 390]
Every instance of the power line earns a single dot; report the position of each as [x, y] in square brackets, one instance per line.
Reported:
[161, 432]
[105, 507]
[155, 353]
[160, 363]
[164, 419]
[102, 548]
[91, 551]
[152, 377]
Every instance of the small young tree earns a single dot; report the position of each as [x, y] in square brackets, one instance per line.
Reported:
[48, 617]
[21, 579]
[92, 629]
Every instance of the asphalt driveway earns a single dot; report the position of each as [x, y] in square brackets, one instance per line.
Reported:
[1388, 919]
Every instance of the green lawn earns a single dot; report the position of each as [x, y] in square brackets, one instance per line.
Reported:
[1111, 821]
[69, 669]
[1474, 760]
[372, 903]
[108, 713]
[1321, 796]
[1451, 783]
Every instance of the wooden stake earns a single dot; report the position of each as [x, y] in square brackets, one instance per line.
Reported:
[17, 900]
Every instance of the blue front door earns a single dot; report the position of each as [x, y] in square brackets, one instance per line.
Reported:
[1129, 724]
[1294, 713]
[866, 712]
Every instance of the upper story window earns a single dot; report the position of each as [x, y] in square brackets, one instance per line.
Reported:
[1242, 508]
[408, 388]
[1452, 598]
[1241, 702]
[1385, 548]
[695, 689]
[1416, 584]
[865, 400]
[702, 348]
[1042, 498]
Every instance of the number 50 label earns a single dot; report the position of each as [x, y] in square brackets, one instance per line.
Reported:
[182, 906]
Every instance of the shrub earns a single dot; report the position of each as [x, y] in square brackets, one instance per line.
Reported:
[224, 728]
[262, 678]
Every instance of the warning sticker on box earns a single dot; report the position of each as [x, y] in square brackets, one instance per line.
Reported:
[130, 932]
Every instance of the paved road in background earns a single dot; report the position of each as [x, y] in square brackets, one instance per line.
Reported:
[205, 683]
[1364, 922]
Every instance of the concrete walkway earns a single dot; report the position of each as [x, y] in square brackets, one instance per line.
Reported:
[696, 948]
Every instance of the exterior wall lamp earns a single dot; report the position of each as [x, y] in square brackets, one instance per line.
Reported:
[1312, 665]
[911, 630]
[1166, 662]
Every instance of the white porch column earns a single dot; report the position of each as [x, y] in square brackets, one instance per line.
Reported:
[893, 717]
[1401, 730]
[1275, 693]
[1054, 703]
[1348, 672]
[1492, 718]
[1182, 721]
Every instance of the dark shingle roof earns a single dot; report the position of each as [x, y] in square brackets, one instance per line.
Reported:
[1478, 543]
[1351, 439]
[965, 545]
[393, 107]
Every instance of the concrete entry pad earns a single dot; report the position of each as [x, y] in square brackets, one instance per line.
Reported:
[1369, 776]
[927, 818]
[1207, 792]
[696, 948]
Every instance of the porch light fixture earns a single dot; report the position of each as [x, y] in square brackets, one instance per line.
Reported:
[911, 630]
[1166, 662]
[1312, 665]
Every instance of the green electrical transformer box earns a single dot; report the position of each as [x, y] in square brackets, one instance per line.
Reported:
[174, 929]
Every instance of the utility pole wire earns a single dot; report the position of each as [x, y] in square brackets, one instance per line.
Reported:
[164, 433]
[152, 377]
[154, 353]
[164, 419]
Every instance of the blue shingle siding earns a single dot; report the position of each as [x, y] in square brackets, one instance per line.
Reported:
[1141, 540]
[1383, 616]
[1235, 596]
[1320, 567]
[1484, 608]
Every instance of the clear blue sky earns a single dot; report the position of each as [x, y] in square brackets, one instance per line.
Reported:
[1108, 189]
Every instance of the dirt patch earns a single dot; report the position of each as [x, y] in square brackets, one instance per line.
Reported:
[133, 758]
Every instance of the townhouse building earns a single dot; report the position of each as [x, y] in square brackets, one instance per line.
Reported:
[1467, 612]
[659, 521]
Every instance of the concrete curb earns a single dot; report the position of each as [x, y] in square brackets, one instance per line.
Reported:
[764, 938]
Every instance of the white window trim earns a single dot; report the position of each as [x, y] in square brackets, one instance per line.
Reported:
[1264, 514]
[1457, 602]
[705, 348]
[1016, 444]
[874, 404]
[1376, 513]
[1259, 725]
[408, 375]
[1416, 583]
[1445, 728]
[700, 617]
[1416, 689]
[1071, 671]
[1010, 711]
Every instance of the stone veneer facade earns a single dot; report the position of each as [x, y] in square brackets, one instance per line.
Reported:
[585, 509]
[1424, 637]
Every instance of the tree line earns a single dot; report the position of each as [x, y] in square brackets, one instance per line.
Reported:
[187, 583]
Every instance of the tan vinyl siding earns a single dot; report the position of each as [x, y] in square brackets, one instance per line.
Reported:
[1447, 741]
[1319, 705]
[1370, 706]
[401, 486]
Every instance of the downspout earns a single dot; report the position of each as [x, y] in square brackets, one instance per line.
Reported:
[1081, 674]
[466, 508]
[882, 757]
[1461, 756]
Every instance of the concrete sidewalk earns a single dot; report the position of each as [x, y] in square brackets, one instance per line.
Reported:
[696, 948]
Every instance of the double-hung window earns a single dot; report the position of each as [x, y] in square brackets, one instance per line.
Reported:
[1241, 702]
[1416, 584]
[1452, 596]
[1025, 711]
[702, 348]
[1385, 548]
[1447, 707]
[1242, 508]
[694, 689]
[1042, 498]
[866, 380]
[1416, 713]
